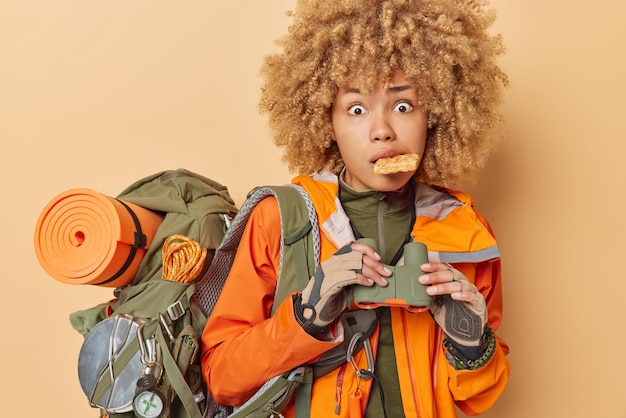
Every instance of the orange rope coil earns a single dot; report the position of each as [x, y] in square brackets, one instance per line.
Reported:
[183, 259]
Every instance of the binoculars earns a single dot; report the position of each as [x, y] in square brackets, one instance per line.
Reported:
[403, 289]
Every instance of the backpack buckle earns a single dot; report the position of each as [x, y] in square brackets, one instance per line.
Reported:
[175, 310]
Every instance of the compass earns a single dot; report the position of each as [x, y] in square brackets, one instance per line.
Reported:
[148, 402]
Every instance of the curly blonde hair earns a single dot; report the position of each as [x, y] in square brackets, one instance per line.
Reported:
[442, 46]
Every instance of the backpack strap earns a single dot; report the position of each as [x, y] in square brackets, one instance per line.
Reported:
[176, 378]
[300, 247]
[300, 250]
[300, 241]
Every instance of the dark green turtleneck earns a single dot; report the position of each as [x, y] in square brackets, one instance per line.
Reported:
[386, 218]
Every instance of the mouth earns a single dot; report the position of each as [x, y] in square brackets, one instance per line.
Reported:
[383, 154]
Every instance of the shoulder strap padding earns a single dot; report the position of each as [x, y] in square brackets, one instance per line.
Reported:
[299, 248]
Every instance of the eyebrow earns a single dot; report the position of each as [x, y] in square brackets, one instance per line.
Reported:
[397, 89]
[392, 89]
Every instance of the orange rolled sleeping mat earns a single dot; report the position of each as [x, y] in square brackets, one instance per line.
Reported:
[85, 237]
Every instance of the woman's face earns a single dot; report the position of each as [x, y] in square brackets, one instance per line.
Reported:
[384, 123]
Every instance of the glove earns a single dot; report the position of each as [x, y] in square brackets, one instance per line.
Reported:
[324, 297]
[469, 339]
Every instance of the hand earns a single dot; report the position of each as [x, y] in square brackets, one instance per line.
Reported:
[457, 306]
[324, 297]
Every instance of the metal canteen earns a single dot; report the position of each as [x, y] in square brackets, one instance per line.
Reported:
[102, 346]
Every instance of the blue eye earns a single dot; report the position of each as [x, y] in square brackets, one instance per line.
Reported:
[356, 109]
[403, 107]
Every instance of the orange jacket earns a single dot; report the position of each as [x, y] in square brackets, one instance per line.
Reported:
[243, 346]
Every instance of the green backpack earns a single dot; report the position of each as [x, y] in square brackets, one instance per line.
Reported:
[141, 354]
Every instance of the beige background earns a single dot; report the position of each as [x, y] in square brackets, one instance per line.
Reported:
[100, 93]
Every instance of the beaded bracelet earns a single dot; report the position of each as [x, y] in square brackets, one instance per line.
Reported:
[461, 362]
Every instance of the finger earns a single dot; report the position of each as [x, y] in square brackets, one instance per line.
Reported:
[468, 292]
[366, 250]
[445, 288]
[470, 297]
[373, 274]
[455, 285]
[458, 289]
[435, 266]
[437, 277]
[376, 266]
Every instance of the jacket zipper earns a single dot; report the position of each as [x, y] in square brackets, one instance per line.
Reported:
[410, 365]
[339, 388]
[435, 364]
[381, 227]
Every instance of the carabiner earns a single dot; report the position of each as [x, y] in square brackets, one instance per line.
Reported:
[361, 373]
[150, 354]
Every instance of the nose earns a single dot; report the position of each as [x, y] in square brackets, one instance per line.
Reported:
[381, 129]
